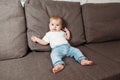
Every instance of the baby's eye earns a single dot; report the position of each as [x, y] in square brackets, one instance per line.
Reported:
[57, 25]
[52, 24]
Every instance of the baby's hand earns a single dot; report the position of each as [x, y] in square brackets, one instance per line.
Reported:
[67, 33]
[34, 38]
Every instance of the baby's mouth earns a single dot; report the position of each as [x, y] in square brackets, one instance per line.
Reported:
[54, 29]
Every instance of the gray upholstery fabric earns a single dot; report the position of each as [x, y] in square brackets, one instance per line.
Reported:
[101, 21]
[110, 49]
[37, 22]
[104, 68]
[37, 66]
[38, 13]
[13, 43]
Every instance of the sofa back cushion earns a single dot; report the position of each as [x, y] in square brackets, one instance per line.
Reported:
[101, 21]
[12, 30]
[38, 13]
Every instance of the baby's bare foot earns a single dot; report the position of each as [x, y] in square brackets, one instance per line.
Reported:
[57, 68]
[85, 62]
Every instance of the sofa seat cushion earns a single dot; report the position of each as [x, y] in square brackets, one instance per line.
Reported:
[101, 21]
[38, 13]
[109, 50]
[37, 66]
[103, 68]
[13, 41]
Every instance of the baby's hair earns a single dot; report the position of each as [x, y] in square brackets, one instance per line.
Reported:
[57, 18]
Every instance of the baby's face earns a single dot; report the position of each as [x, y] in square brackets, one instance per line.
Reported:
[55, 25]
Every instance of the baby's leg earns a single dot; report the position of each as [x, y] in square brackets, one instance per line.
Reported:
[77, 54]
[56, 57]
[57, 68]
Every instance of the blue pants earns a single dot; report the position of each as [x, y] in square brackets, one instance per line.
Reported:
[65, 50]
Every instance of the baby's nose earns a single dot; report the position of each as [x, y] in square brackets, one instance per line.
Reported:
[55, 26]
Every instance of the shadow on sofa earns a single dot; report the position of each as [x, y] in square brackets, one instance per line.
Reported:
[95, 31]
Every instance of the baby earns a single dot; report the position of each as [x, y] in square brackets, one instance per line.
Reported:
[58, 38]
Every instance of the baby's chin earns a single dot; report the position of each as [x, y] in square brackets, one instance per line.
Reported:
[55, 30]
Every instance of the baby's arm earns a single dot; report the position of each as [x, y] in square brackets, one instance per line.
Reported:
[38, 40]
[67, 33]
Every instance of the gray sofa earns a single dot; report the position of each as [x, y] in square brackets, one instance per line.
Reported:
[95, 30]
